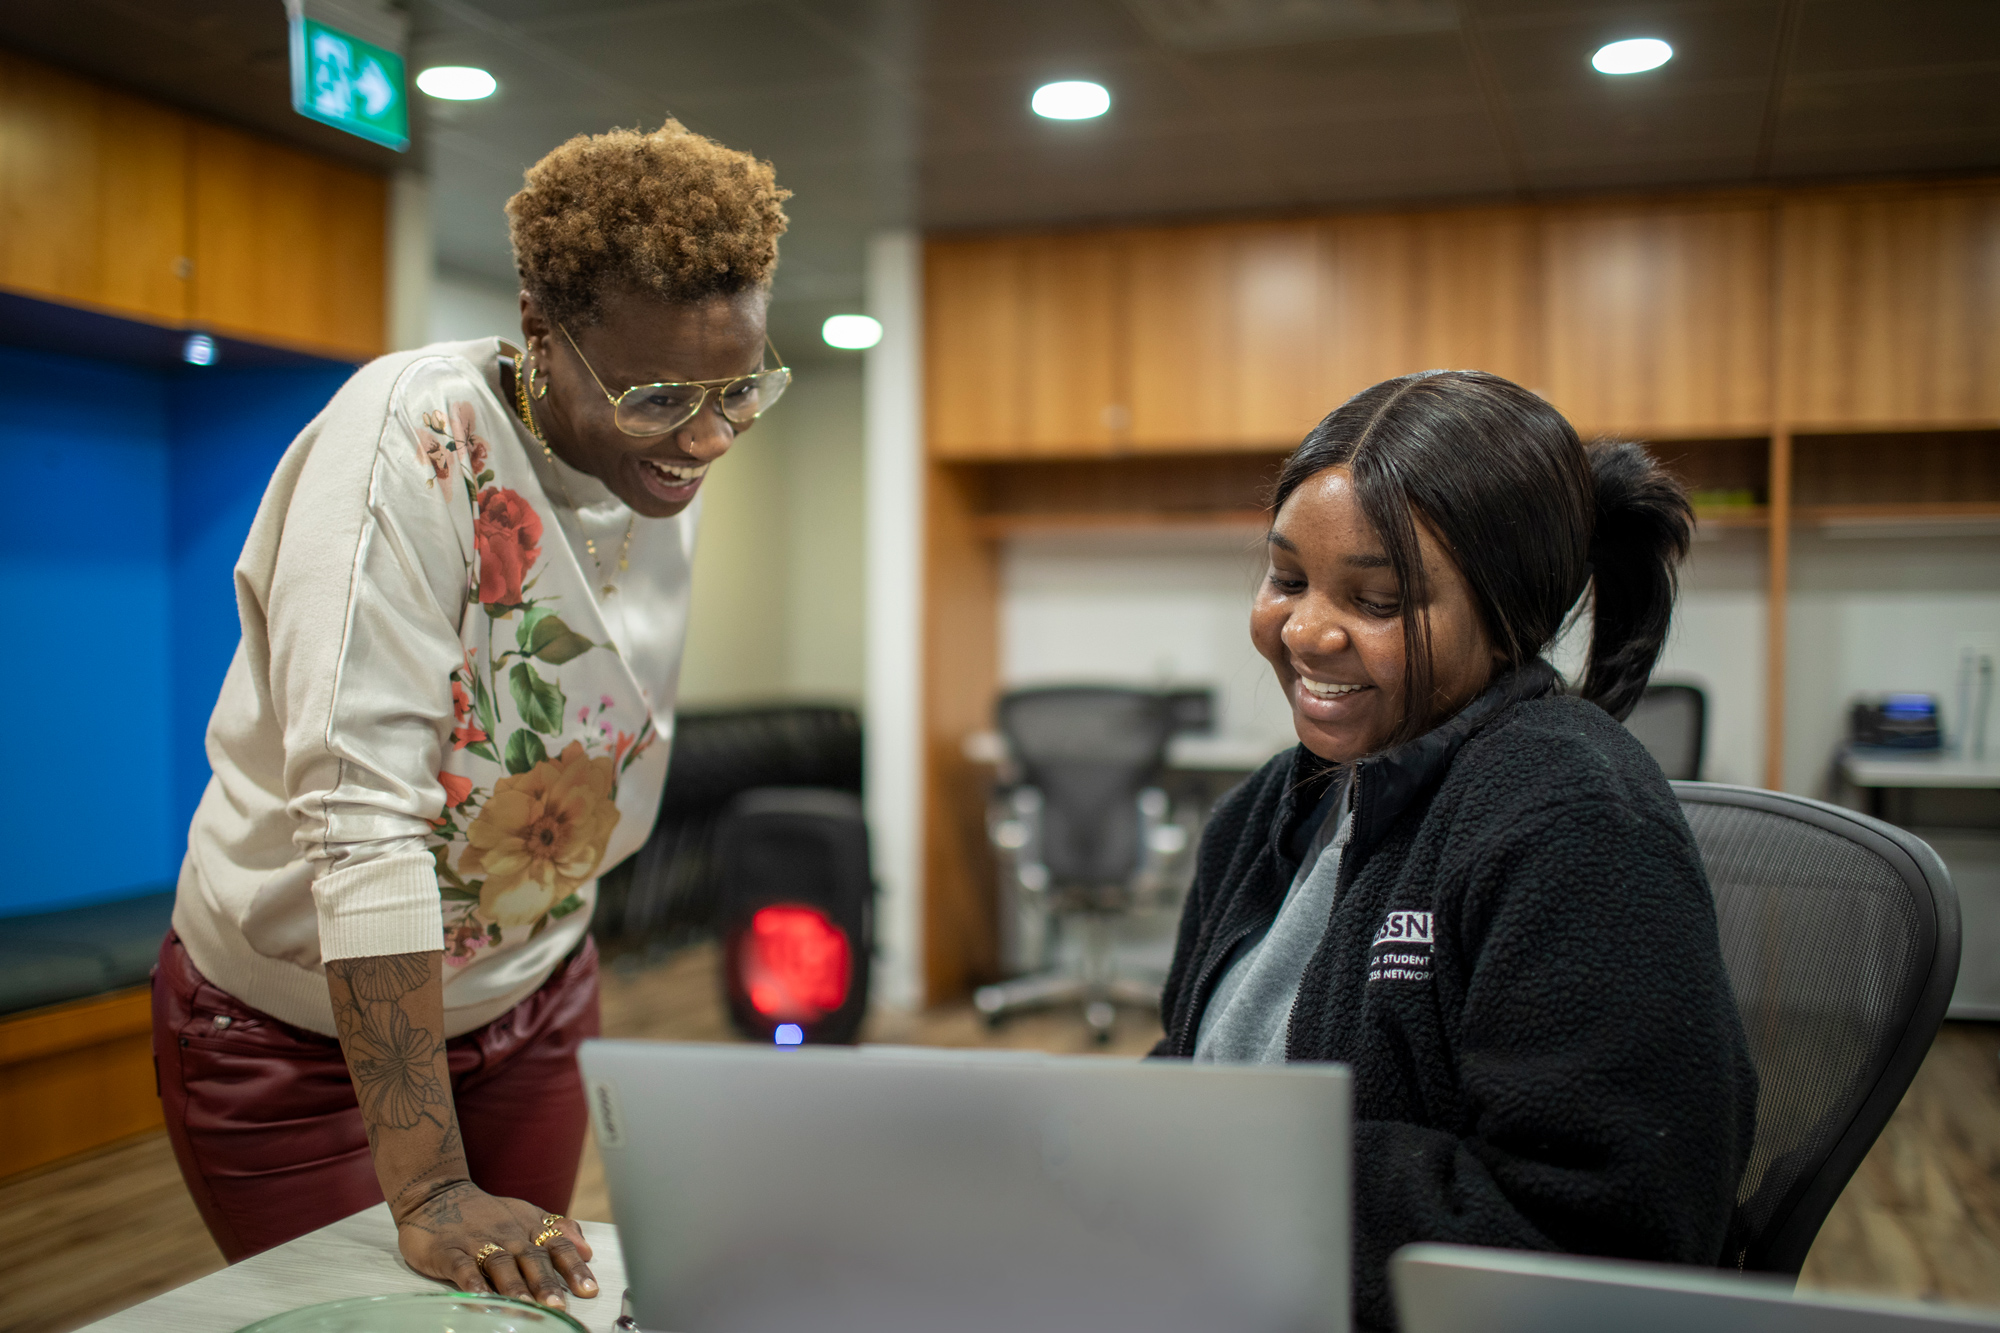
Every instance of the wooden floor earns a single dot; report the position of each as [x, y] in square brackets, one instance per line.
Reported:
[1921, 1218]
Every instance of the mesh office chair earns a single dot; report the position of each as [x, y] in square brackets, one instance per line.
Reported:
[1840, 934]
[1084, 834]
[1669, 721]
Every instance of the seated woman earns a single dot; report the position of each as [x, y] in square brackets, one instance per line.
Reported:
[1475, 889]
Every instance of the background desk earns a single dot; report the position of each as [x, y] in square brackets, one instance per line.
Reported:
[356, 1256]
[1892, 784]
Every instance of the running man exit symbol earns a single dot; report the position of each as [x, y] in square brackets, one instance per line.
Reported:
[349, 84]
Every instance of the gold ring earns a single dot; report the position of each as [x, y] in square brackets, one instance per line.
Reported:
[487, 1251]
[550, 1219]
[542, 1238]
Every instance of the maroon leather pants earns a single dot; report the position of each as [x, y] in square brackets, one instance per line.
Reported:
[268, 1134]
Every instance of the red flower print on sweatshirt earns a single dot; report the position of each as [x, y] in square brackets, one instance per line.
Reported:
[467, 732]
[508, 533]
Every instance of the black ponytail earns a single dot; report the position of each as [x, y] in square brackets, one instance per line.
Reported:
[1641, 534]
[1529, 515]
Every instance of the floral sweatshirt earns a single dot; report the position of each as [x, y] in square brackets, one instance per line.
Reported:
[438, 727]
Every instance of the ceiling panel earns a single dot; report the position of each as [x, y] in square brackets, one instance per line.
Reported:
[1862, 36]
[1381, 78]
[892, 112]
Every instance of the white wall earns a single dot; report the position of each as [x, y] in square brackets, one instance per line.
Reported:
[1872, 614]
[468, 305]
[779, 581]
[1151, 609]
[1174, 608]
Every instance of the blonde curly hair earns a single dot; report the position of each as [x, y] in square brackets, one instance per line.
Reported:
[669, 213]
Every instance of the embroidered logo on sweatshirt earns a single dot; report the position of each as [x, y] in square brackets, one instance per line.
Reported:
[1402, 948]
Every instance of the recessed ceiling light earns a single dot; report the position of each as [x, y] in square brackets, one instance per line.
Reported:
[457, 83]
[854, 333]
[1074, 100]
[1635, 55]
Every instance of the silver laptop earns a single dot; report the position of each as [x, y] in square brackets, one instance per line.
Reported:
[1462, 1289]
[894, 1190]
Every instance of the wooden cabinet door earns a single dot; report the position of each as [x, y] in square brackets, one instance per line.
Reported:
[1023, 347]
[1073, 394]
[93, 194]
[288, 248]
[1658, 318]
[1224, 329]
[972, 347]
[1891, 306]
[1427, 291]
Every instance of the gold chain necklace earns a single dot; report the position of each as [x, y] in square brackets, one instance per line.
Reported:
[522, 373]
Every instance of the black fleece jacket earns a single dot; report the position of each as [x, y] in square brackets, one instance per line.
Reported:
[1522, 970]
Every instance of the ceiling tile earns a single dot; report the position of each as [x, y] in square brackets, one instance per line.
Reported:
[1043, 39]
[1202, 171]
[1858, 36]
[1443, 153]
[1712, 42]
[1950, 110]
[1380, 77]
[1666, 131]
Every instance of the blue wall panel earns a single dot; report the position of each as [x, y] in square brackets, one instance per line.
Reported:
[228, 430]
[129, 492]
[84, 686]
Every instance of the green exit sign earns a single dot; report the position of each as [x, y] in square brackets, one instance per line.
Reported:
[349, 84]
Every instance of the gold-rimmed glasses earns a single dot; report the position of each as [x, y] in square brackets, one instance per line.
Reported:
[655, 409]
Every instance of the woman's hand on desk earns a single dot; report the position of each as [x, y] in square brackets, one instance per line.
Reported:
[390, 1012]
[441, 1236]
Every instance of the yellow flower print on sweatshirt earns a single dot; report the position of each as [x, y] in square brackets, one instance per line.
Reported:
[539, 837]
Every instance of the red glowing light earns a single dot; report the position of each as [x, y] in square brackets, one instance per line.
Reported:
[795, 964]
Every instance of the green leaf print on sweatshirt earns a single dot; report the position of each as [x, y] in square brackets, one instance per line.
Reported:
[524, 751]
[540, 701]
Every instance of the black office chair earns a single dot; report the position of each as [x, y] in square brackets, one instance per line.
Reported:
[1669, 721]
[1083, 834]
[1840, 934]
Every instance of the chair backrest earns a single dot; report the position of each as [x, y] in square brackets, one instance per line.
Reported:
[1669, 721]
[1089, 749]
[1840, 934]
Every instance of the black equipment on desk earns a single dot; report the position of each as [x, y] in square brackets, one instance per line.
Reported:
[1896, 722]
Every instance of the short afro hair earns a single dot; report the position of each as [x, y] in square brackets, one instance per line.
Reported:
[669, 213]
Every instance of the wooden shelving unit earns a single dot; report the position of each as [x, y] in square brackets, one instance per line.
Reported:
[1807, 359]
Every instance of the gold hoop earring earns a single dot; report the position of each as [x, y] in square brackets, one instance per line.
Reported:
[542, 390]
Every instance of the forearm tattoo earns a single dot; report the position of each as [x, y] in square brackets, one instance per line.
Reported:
[396, 1058]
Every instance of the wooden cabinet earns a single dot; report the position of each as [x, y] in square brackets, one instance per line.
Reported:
[1402, 293]
[1025, 347]
[116, 203]
[1658, 319]
[1225, 338]
[288, 248]
[1891, 306]
[93, 194]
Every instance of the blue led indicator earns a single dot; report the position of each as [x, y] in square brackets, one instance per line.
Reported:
[789, 1034]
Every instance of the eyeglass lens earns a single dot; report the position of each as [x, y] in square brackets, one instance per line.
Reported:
[655, 409]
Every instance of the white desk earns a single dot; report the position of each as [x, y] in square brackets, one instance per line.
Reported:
[1878, 769]
[356, 1256]
[1972, 856]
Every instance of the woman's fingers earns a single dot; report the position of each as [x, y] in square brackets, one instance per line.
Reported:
[504, 1272]
[562, 1252]
[542, 1278]
[467, 1274]
[574, 1230]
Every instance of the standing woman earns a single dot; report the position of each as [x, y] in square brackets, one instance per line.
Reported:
[1472, 887]
[463, 602]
